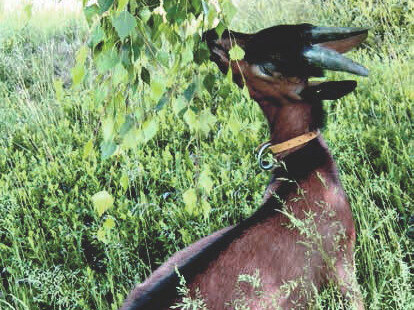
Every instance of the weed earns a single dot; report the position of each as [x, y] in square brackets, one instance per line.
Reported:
[51, 255]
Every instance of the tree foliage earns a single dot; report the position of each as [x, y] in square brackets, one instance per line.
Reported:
[147, 56]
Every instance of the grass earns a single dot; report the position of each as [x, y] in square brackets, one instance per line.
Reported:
[51, 253]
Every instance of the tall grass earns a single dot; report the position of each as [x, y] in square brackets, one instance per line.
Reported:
[50, 253]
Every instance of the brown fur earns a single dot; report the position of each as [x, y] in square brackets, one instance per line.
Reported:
[279, 251]
[294, 246]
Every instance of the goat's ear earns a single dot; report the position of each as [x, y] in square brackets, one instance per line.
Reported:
[345, 45]
[329, 90]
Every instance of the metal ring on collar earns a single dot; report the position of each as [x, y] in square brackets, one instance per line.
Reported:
[264, 165]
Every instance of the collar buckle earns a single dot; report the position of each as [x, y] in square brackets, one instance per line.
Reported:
[279, 148]
[264, 164]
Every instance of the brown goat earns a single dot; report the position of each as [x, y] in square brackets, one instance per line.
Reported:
[302, 237]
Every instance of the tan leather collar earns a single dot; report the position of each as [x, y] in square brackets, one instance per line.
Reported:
[290, 144]
[279, 148]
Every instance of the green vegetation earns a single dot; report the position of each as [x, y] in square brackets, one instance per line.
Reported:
[78, 231]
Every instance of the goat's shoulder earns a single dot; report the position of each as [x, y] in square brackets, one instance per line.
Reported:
[178, 259]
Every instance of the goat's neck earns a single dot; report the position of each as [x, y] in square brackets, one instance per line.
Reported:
[287, 121]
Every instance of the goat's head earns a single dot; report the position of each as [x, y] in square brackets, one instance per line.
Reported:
[286, 56]
[279, 61]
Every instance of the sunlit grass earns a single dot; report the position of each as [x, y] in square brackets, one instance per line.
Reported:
[50, 255]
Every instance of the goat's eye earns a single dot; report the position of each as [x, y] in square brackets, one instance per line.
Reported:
[267, 69]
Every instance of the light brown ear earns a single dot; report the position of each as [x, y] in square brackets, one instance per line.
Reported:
[345, 45]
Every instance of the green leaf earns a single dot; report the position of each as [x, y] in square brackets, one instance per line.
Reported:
[229, 75]
[28, 10]
[149, 129]
[234, 125]
[196, 5]
[220, 29]
[82, 54]
[109, 223]
[191, 119]
[104, 5]
[100, 93]
[207, 121]
[206, 208]
[124, 24]
[186, 56]
[96, 37]
[4, 247]
[126, 53]
[212, 15]
[91, 12]
[189, 92]
[124, 181]
[164, 58]
[132, 138]
[190, 200]
[122, 4]
[108, 148]
[145, 14]
[106, 60]
[88, 148]
[205, 181]
[245, 92]
[175, 14]
[145, 75]
[127, 125]
[200, 123]
[157, 88]
[78, 73]
[108, 128]
[161, 103]
[185, 235]
[209, 82]
[201, 54]
[236, 53]
[102, 201]
[101, 235]
[179, 104]
[229, 10]
[120, 75]
[58, 85]
[205, 7]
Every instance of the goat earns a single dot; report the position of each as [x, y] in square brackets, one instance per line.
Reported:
[303, 235]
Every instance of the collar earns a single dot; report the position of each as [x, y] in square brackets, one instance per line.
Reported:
[290, 144]
[276, 149]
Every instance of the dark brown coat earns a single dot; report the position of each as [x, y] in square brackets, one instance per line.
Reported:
[298, 241]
